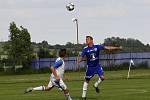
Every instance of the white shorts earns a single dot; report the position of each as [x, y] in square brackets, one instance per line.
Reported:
[61, 86]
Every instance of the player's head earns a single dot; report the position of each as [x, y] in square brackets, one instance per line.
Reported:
[89, 40]
[62, 53]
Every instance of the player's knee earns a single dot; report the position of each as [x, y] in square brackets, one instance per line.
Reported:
[47, 88]
[87, 80]
[102, 78]
[66, 91]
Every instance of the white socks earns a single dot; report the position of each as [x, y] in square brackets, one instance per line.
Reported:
[40, 88]
[97, 82]
[68, 97]
[85, 86]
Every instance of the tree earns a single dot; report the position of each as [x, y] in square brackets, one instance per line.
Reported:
[19, 45]
[129, 44]
[69, 45]
[44, 44]
[43, 53]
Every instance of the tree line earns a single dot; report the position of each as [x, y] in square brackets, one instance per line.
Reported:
[20, 49]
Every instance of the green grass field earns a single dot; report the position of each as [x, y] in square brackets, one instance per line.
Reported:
[115, 87]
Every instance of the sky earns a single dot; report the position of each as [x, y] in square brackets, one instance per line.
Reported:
[49, 20]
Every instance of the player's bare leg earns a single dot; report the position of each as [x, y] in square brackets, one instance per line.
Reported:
[97, 83]
[67, 95]
[61, 85]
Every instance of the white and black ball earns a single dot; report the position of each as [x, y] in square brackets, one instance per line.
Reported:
[70, 6]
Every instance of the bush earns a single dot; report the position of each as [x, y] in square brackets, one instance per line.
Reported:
[1, 66]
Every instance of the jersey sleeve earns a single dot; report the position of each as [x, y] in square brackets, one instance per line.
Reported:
[83, 53]
[101, 47]
[58, 63]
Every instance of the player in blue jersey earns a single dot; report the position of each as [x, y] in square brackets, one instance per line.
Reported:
[91, 52]
[56, 78]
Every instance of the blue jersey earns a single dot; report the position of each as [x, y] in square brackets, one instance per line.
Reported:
[92, 54]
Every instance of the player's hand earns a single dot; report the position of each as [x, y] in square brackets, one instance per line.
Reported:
[120, 47]
[78, 60]
[57, 78]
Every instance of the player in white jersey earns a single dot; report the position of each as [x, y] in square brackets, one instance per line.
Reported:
[56, 78]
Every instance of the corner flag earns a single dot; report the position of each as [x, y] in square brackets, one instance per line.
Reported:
[131, 64]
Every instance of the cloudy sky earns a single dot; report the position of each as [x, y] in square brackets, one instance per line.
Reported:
[49, 20]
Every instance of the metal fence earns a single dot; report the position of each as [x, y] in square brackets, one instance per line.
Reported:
[105, 60]
[70, 63]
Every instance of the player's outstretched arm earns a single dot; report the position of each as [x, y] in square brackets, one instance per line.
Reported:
[80, 59]
[113, 48]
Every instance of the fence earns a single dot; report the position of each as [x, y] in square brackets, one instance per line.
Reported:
[117, 59]
[70, 63]
[105, 60]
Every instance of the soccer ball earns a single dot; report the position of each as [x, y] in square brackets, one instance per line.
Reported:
[70, 6]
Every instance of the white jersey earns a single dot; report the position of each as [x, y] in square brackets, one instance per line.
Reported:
[59, 66]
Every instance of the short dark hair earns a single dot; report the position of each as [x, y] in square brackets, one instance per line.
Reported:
[89, 37]
[62, 52]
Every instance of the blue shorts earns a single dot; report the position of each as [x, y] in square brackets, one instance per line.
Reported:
[91, 71]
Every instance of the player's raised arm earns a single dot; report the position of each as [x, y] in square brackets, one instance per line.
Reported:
[113, 48]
